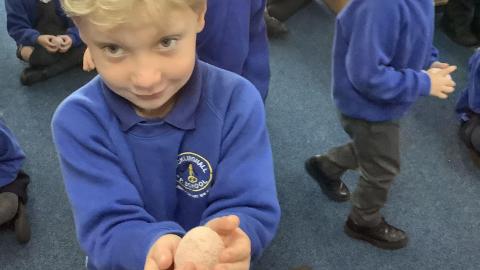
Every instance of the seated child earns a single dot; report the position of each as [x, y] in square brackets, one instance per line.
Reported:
[235, 39]
[13, 185]
[45, 38]
[161, 142]
[468, 109]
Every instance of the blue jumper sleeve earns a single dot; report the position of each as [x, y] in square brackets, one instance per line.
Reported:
[19, 23]
[371, 48]
[245, 183]
[257, 67]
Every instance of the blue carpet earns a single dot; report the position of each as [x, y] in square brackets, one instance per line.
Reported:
[435, 199]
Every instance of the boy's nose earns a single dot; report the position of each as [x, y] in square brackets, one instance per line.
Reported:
[146, 79]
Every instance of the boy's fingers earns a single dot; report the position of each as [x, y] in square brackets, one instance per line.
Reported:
[448, 70]
[224, 225]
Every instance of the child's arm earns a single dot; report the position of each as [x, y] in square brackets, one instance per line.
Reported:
[244, 181]
[113, 228]
[256, 67]
[19, 25]
[373, 38]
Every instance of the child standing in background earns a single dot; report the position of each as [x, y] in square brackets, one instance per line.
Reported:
[380, 51]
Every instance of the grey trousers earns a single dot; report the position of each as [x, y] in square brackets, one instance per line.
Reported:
[374, 151]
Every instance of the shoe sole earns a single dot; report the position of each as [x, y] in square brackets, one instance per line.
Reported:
[377, 243]
[312, 174]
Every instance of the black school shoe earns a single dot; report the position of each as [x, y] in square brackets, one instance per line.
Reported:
[275, 28]
[30, 76]
[383, 235]
[22, 225]
[335, 189]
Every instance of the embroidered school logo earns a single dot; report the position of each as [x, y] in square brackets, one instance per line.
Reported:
[194, 174]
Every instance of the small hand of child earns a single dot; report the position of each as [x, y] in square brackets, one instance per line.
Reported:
[49, 42]
[439, 65]
[160, 255]
[88, 64]
[441, 82]
[66, 43]
[237, 252]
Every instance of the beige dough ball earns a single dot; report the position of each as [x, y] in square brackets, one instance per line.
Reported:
[201, 246]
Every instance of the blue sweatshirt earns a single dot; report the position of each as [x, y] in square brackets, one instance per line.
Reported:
[11, 155]
[235, 38]
[131, 180]
[22, 18]
[469, 101]
[379, 51]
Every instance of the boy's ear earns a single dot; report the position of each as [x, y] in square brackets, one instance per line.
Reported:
[201, 17]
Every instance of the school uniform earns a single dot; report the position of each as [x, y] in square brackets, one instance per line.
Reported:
[380, 51]
[235, 39]
[131, 180]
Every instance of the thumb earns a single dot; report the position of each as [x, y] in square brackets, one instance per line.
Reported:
[447, 70]
[224, 225]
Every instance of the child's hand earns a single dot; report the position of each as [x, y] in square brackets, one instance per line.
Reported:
[237, 252]
[441, 81]
[160, 256]
[88, 64]
[66, 43]
[439, 65]
[49, 42]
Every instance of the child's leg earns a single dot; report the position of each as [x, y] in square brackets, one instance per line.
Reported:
[24, 52]
[68, 60]
[457, 21]
[41, 57]
[376, 146]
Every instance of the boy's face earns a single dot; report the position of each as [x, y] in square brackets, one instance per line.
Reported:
[146, 62]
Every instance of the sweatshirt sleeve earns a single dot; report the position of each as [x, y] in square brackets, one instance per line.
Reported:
[19, 25]
[11, 155]
[245, 184]
[113, 228]
[373, 36]
[72, 31]
[257, 68]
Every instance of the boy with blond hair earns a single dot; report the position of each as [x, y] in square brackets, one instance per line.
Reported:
[161, 142]
[234, 38]
[380, 51]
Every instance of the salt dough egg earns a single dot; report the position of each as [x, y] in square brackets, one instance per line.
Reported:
[201, 246]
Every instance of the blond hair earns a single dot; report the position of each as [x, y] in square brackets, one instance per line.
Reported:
[109, 13]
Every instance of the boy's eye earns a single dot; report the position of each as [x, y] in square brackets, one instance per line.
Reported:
[113, 51]
[168, 42]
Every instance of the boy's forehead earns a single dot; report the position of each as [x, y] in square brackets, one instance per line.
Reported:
[168, 23]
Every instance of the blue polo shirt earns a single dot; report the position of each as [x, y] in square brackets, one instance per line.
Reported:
[235, 39]
[11, 155]
[469, 101]
[22, 18]
[131, 180]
